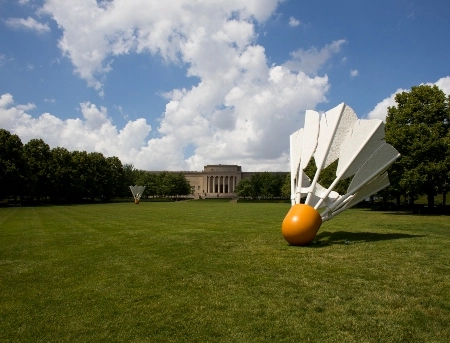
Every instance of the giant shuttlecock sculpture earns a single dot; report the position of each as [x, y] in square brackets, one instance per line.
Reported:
[137, 192]
[362, 153]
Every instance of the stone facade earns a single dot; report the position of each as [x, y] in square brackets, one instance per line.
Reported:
[217, 181]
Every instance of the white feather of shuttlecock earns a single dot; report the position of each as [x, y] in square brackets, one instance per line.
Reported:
[137, 191]
[358, 144]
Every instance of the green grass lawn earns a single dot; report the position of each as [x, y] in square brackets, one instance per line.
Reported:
[219, 272]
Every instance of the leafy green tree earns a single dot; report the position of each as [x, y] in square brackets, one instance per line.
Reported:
[115, 178]
[394, 190]
[244, 188]
[139, 176]
[266, 185]
[172, 184]
[163, 187]
[180, 185]
[270, 185]
[62, 174]
[38, 158]
[12, 165]
[150, 181]
[81, 175]
[277, 184]
[286, 187]
[129, 176]
[256, 181]
[98, 178]
[418, 127]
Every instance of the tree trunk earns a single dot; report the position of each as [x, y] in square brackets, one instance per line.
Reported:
[398, 200]
[444, 198]
[411, 201]
[430, 197]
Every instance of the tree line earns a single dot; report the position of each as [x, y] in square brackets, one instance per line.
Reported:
[36, 173]
[264, 185]
[162, 184]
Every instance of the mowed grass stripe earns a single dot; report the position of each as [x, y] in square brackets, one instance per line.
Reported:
[200, 271]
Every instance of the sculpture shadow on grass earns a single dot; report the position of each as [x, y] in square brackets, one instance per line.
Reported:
[326, 238]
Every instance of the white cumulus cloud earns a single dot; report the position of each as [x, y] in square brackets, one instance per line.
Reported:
[29, 24]
[312, 60]
[444, 84]
[380, 110]
[241, 111]
[294, 22]
[94, 33]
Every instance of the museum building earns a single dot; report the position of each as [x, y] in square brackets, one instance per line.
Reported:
[218, 180]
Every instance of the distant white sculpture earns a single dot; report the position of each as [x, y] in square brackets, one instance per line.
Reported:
[360, 147]
[137, 192]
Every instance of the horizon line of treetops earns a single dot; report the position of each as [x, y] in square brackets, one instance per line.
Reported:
[34, 173]
[418, 127]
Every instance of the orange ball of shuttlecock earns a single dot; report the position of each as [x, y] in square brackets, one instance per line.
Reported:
[301, 224]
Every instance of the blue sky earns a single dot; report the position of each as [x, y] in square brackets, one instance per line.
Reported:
[177, 84]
